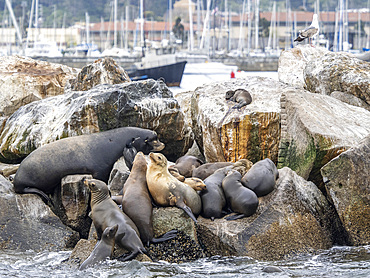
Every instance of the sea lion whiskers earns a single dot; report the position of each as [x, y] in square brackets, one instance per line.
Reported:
[100, 194]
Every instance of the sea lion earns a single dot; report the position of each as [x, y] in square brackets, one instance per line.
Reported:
[241, 200]
[261, 177]
[166, 190]
[103, 249]
[213, 198]
[137, 204]
[42, 170]
[196, 183]
[105, 213]
[186, 164]
[241, 96]
[174, 172]
[207, 169]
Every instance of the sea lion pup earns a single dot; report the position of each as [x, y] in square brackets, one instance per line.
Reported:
[241, 200]
[261, 177]
[213, 198]
[42, 170]
[137, 204]
[103, 248]
[166, 190]
[196, 183]
[241, 96]
[207, 169]
[105, 213]
[186, 164]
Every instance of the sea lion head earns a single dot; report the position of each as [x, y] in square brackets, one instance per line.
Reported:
[110, 232]
[196, 183]
[158, 159]
[96, 186]
[229, 94]
[148, 143]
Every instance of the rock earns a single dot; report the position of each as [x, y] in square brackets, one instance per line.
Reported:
[24, 80]
[226, 134]
[147, 104]
[294, 218]
[118, 176]
[350, 99]
[102, 71]
[72, 203]
[338, 72]
[27, 223]
[81, 251]
[293, 62]
[347, 183]
[315, 129]
[8, 169]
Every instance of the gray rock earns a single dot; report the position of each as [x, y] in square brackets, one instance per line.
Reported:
[347, 183]
[118, 176]
[294, 218]
[350, 99]
[27, 223]
[316, 128]
[24, 80]
[147, 104]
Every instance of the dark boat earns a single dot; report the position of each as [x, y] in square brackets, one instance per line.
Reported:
[159, 67]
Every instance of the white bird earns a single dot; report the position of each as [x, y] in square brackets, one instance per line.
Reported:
[310, 31]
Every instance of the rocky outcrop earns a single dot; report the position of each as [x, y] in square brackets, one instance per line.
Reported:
[227, 134]
[147, 104]
[102, 71]
[350, 99]
[294, 218]
[293, 62]
[347, 183]
[27, 223]
[24, 80]
[315, 129]
[338, 72]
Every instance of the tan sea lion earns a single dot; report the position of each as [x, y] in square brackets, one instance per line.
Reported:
[103, 249]
[137, 204]
[106, 213]
[166, 190]
[196, 183]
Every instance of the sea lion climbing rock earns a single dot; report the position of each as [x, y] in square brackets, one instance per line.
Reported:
[42, 170]
[166, 190]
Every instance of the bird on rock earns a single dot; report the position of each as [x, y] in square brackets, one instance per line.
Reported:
[310, 31]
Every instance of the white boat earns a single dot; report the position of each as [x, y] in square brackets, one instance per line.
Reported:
[43, 49]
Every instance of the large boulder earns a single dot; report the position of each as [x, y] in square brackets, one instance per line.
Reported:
[27, 223]
[316, 128]
[102, 71]
[338, 72]
[147, 104]
[347, 183]
[293, 62]
[24, 80]
[227, 134]
[294, 218]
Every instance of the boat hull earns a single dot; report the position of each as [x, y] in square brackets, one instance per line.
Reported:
[171, 74]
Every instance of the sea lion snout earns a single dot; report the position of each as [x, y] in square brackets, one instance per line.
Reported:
[157, 145]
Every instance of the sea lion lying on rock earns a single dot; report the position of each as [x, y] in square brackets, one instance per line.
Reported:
[166, 190]
[240, 96]
[42, 170]
[186, 164]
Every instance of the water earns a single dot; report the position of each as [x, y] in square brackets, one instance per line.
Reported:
[335, 262]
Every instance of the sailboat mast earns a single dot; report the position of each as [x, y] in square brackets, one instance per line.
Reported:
[115, 24]
[191, 27]
[9, 5]
[257, 20]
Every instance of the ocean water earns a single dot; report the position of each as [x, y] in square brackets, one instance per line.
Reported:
[196, 75]
[335, 262]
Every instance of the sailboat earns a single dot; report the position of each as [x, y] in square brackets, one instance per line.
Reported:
[156, 65]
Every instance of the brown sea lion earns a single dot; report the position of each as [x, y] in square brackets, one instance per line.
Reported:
[166, 190]
[103, 249]
[174, 172]
[261, 177]
[207, 169]
[241, 96]
[186, 164]
[137, 204]
[42, 170]
[241, 200]
[196, 183]
[106, 213]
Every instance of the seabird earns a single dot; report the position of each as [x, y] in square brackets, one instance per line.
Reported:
[310, 31]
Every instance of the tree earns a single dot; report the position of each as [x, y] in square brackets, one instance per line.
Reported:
[178, 29]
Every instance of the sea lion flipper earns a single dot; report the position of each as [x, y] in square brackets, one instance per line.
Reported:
[181, 204]
[167, 236]
[235, 217]
[42, 194]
